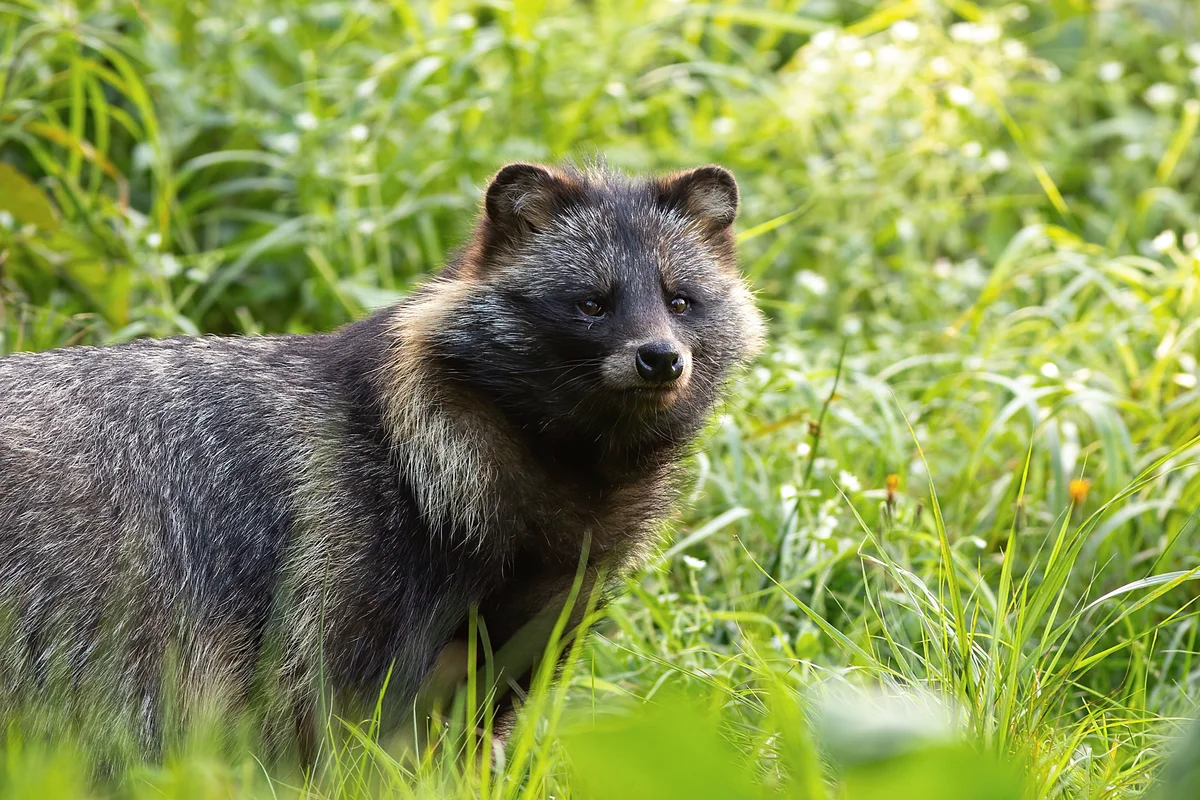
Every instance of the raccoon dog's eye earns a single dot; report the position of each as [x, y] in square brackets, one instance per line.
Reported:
[590, 307]
[679, 305]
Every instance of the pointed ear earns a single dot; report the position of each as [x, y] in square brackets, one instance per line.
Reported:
[523, 197]
[709, 194]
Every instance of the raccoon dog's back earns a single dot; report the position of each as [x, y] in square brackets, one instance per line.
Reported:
[343, 501]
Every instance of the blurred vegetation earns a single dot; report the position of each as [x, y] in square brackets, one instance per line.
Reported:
[941, 544]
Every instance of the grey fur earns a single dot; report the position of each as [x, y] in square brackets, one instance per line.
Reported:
[350, 497]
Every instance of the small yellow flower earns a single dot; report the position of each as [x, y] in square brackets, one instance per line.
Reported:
[893, 483]
[1078, 490]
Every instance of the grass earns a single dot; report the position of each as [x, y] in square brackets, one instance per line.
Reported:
[941, 542]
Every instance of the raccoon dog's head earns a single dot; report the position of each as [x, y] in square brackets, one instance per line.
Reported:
[601, 312]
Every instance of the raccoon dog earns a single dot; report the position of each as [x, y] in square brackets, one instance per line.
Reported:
[345, 501]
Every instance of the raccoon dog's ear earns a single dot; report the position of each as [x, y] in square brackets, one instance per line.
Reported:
[708, 193]
[524, 196]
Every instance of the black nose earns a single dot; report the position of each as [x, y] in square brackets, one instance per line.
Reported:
[659, 362]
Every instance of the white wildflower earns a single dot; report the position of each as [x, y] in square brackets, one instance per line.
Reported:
[154, 240]
[819, 66]
[1110, 71]
[987, 33]
[461, 21]
[1185, 379]
[723, 126]
[287, 143]
[1161, 94]
[998, 160]
[803, 450]
[812, 281]
[138, 220]
[890, 55]
[787, 494]
[940, 66]
[863, 59]
[1014, 49]
[1050, 370]
[1163, 242]
[1191, 240]
[278, 26]
[972, 149]
[823, 465]
[1168, 54]
[960, 95]
[973, 33]
[908, 31]
[849, 481]
[848, 44]
[972, 272]
[359, 132]
[942, 268]
[305, 121]
[366, 227]
[169, 265]
[905, 228]
[822, 39]
[826, 525]
[694, 563]
[1052, 73]
[616, 89]
[366, 88]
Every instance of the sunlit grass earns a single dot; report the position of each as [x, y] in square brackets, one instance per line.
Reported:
[941, 540]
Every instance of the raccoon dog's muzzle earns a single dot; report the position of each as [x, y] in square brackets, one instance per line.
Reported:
[657, 369]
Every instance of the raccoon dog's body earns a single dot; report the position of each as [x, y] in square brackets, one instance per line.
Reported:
[352, 496]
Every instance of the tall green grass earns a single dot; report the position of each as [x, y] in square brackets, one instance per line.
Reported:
[940, 543]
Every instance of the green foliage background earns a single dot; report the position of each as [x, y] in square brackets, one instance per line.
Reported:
[957, 559]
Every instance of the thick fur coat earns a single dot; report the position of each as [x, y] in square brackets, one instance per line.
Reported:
[170, 511]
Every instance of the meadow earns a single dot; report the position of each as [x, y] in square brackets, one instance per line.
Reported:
[940, 541]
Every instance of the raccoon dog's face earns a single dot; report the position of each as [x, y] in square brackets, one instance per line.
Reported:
[600, 311]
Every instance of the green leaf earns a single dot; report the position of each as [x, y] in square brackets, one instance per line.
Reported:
[949, 773]
[658, 752]
[23, 199]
